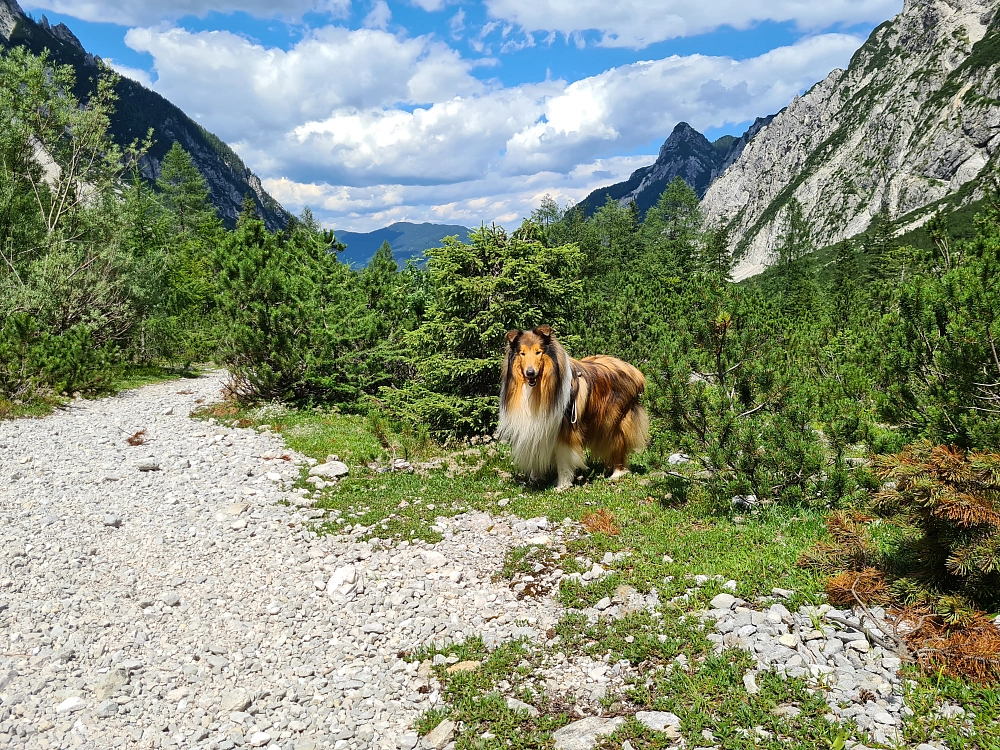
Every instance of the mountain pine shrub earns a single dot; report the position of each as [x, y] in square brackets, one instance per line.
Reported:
[478, 291]
[730, 392]
[951, 498]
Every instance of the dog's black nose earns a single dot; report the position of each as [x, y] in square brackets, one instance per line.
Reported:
[530, 372]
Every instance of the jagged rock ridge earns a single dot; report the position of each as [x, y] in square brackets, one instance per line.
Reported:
[140, 109]
[913, 120]
[687, 154]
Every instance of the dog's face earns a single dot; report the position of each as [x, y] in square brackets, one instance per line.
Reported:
[528, 353]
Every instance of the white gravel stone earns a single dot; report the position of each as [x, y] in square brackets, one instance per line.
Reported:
[74, 703]
[723, 601]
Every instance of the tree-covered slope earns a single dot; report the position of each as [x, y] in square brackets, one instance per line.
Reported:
[139, 110]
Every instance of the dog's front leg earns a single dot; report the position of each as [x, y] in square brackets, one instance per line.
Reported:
[568, 460]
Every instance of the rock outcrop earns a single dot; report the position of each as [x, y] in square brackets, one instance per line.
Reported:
[140, 110]
[687, 154]
[914, 120]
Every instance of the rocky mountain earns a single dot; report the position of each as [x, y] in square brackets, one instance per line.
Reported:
[912, 125]
[686, 153]
[408, 241]
[140, 109]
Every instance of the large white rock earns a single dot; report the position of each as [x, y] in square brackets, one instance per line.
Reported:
[331, 470]
[439, 736]
[661, 721]
[345, 582]
[583, 734]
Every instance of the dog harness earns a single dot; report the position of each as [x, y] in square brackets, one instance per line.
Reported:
[573, 392]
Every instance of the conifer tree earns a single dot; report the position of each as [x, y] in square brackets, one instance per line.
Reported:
[796, 264]
[716, 258]
[672, 231]
[846, 289]
[185, 192]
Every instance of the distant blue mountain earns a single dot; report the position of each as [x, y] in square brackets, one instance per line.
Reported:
[407, 241]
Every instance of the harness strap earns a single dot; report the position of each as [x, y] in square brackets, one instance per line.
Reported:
[573, 393]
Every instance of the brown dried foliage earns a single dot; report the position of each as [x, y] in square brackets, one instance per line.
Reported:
[138, 438]
[601, 521]
[850, 549]
[225, 410]
[850, 587]
[944, 482]
[970, 650]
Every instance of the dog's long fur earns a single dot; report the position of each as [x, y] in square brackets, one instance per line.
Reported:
[553, 407]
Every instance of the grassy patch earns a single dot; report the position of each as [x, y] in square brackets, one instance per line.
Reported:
[132, 376]
[39, 406]
[977, 727]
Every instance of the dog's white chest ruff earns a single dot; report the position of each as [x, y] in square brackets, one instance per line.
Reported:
[532, 426]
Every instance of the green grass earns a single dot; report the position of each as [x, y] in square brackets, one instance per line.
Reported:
[132, 376]
[136, 376]
[979, 728]
[667, 540]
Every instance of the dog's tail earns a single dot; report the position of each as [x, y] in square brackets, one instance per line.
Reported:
[635, 429]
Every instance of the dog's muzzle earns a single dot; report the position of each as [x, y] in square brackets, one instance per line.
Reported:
[532, 377]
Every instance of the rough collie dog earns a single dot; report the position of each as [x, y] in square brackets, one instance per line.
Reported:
[553, 408]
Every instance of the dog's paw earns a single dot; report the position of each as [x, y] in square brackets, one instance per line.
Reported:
[618, 474]
[562, 487]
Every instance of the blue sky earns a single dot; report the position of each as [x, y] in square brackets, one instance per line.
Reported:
[441, 110]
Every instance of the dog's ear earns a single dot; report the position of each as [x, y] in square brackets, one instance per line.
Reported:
[545, 331]
[512, 337]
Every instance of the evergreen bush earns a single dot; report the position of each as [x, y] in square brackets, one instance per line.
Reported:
[479, 291]
[951, 498]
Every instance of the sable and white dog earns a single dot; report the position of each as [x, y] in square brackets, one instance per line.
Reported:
[553, 408]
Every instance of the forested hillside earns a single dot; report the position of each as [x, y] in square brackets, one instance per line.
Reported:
[139, 111]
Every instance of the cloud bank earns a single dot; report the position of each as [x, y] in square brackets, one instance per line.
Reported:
[364, 123]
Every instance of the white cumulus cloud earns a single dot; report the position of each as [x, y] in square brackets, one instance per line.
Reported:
[639, 23]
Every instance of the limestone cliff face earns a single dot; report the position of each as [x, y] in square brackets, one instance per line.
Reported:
[139, 110]
[913, 120]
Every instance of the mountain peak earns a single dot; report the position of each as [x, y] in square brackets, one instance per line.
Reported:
[911, 125]
[687, 154]
[61, 31]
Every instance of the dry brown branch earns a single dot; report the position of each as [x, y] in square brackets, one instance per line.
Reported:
[970, 649]
[139, 438]
[601, 521]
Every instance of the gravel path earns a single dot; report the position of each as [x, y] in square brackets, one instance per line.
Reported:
[189, 606]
